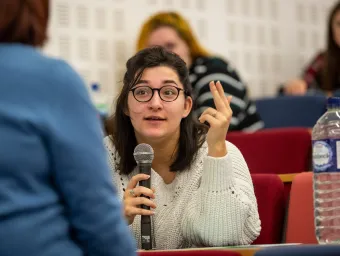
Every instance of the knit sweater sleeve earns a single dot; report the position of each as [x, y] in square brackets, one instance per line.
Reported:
[223, 210]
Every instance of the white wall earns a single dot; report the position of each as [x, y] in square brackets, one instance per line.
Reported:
[269, 41]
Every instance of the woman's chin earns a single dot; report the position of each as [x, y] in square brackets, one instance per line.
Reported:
[154, 135]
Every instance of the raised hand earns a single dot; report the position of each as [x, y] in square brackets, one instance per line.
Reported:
[218, 119]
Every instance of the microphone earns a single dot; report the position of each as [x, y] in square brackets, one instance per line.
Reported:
[144, 155]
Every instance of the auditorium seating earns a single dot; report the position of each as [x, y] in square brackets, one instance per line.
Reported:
[291, 111]
[300, 219]
[282, 151]
[269, 193]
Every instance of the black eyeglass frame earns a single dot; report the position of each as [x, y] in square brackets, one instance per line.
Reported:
[159, 92]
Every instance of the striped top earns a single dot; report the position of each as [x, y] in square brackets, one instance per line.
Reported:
[206, 69]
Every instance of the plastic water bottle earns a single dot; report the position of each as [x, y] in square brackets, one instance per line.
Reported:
[99, 100]
[326, 167]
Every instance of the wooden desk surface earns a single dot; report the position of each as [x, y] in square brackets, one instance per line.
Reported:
[242, 251]
[248, 250]
[245, 251]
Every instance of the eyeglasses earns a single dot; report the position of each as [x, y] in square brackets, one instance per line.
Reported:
[167, 93]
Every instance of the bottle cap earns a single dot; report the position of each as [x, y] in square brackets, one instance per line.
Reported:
[95, 87]
[333, 102]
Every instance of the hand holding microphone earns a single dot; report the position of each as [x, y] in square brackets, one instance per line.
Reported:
[133, 198]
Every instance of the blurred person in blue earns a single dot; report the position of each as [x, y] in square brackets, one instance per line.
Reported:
[201, 190]
[322, 75]
[172, 31]
[56, 191]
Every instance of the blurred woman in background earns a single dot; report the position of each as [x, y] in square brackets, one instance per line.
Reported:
[322, 75]
[173, 32]
[56, 193]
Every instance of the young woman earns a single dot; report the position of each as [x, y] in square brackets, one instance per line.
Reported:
[202, 191]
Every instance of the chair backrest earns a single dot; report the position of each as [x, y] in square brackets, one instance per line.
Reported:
[301, 250]
[279, 151]
[269, 193]
[190, 252]
[291, 111]
[300, 219]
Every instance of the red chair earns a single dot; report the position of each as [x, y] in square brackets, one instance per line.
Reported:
[279, 151]
[269, 193]
[300, 222]
[203, 252]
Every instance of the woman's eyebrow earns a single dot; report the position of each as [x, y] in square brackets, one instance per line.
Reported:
[169, 82]
[142, 82]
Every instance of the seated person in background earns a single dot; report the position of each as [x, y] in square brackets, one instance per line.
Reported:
[170, 30]
[56, 191]
[202, 191]
[322, 76]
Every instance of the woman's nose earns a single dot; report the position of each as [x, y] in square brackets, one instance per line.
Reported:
[156, 101]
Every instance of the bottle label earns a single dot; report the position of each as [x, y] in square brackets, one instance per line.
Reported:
[326, 155]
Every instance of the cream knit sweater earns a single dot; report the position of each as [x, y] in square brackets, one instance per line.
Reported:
[210, 204]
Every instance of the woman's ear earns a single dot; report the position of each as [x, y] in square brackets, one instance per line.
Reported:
[187, 106]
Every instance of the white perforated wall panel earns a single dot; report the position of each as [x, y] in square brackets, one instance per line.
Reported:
[269, 41]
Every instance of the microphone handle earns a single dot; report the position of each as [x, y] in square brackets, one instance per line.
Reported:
[146, 235]
[145, 169]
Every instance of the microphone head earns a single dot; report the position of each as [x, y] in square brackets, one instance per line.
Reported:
[143, 154]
